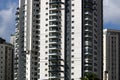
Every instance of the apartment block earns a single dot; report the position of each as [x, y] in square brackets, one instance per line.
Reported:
[6, 60]
[58, 39]
[111, 54]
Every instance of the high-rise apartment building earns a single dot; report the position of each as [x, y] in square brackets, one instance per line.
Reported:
[111, 54]
[6, 60]
[58, 39]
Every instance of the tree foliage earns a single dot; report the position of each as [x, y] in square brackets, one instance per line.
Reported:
[90, 76]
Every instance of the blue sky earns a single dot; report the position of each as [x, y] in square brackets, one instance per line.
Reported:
[112, 14]
[7, 17]
[8, 8]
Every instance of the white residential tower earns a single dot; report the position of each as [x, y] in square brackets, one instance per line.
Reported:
[58, 39]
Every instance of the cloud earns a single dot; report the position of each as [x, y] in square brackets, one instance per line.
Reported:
[112, 11]
[7, 20]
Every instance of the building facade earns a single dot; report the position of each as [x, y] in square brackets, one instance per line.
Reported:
[111, 54]
[58, 39]
[6, 60]
[12, 39]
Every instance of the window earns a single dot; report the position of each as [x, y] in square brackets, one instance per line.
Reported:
[37, 42]
[35, 74]
[35, 63]
[35, 69]
[37, 21]
[72, 44]
[37, 16]
[46, 41]
[72, 15]
[36, 58]
[72, 61]
[72, 73]
[36, 0]
[37, 5]
[45, 52]
[37, 10]
[36, 53]
[37, 26]
[46, 25]
[72, 4]
[72, 56]
[72, 27]
[35, 78]
[72, 32]
[46, 19]
[72, 67]
[46, 69]
[95, 69]
[95, 64]
[72, 10]
[45, 63]
[72, 21]
[72, 38]
[72, 50]
[46, 2]
[45, 58]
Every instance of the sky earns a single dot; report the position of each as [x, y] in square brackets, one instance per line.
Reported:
[111, 12]
[7, 18]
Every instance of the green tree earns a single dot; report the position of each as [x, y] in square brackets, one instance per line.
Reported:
[84, 78]
[90, 76]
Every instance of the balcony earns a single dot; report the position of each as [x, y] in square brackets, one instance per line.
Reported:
[54, 19]
[87, 24]
[90, 64]
[56, 8]
[53, 65]
[88, 19]
[52, 54]
[53, 59]
[56, 2]
[17, 18]
[17, 13]
[55, 71]
[53, 8]
[87, 53]
[88, 43]
[55, 14]
[88, 13]
[54, 36]
[54, 48]
[56, 77]
[88, 30]
[88, 36]
[55, 31]
[53, 24]
[88, 70]
[53, 40]
[88, 60]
